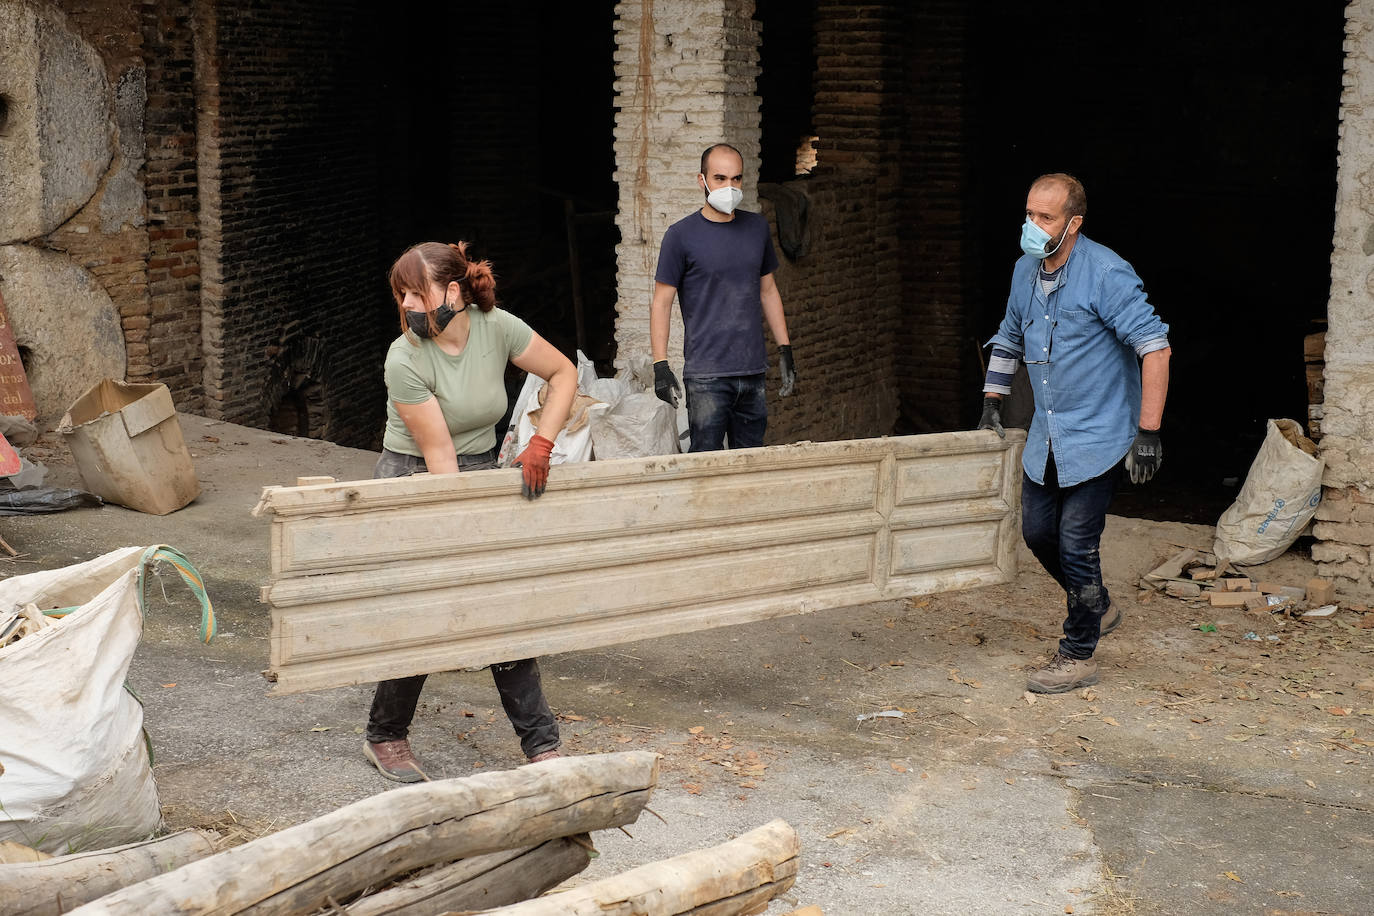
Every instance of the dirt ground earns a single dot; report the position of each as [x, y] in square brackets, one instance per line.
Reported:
[1222, 765]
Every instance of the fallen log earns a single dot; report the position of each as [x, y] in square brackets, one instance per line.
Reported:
[376, 839]
[737, 877]
[55, 885]
[496, 879]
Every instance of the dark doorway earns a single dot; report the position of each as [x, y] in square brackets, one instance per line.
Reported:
[1205, 136]
[496, 127]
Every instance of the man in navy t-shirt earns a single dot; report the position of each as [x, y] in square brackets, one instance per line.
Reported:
[719, 263]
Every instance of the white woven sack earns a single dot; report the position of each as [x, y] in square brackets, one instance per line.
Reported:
[1277, 500]
[77, 773]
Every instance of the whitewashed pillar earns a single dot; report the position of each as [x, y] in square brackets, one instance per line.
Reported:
[685, 79]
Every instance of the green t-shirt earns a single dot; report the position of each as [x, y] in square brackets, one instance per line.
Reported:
[470, 386]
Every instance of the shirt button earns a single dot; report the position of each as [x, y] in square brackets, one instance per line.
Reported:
[1047, 317]
[1044, 349]
[1049, 411]
[1044, 381]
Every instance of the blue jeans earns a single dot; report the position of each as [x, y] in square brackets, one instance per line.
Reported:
[518, 683]
[732, 405]
[1063, 528]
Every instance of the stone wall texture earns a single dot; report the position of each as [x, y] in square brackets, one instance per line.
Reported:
[1345, 519]
[75, 79]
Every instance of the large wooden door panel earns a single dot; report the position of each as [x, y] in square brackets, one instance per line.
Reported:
[384, 578]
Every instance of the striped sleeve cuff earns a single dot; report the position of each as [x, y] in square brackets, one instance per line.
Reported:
[1150, 346]
[1001, 368]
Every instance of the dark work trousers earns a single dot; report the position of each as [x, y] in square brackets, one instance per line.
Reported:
[731, 408]
[518, 683]
[1063, 528]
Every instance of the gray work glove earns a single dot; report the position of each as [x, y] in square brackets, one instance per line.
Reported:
[992, 416]
[665, 383]
[787, 369]
[1145, 456]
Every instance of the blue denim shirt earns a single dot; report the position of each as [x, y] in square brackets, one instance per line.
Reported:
[1081, 345]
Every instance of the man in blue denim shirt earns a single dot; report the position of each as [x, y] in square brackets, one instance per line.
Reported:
[1098, 360]
[719, 262]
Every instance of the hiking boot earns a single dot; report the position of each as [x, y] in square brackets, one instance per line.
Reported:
[545, 755]
[1063, 674]
[1111, 619]
[395, 760]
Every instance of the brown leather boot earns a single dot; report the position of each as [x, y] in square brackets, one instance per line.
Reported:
[1111, 619]
[395, 760]
[545, 755]
[1063, 674]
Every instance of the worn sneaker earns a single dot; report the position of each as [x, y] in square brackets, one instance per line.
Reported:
[1063, 674]
[545, 755]
[395, 760]
[1111, 619]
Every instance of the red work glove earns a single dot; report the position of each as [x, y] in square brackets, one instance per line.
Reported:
[534, 461]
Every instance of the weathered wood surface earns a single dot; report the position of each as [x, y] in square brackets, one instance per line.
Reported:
[482, 882]
[377, 579]
[55, 885]
[378, 838]
[740, 876]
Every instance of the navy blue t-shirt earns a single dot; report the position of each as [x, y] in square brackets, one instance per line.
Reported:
[716, 268]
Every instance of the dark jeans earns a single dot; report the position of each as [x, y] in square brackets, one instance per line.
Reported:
[1063, 528]
[732, 406]
[518, 683]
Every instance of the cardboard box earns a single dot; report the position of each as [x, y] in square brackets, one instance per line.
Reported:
[129, 448]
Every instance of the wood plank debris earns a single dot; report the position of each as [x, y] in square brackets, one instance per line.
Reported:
[1183, 589]
[623, 550]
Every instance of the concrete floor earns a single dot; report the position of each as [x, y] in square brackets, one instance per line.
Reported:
[1205, 774]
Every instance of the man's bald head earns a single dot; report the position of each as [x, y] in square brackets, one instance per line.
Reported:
[1076, 203]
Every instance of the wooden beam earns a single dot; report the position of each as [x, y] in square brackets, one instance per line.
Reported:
[55, 885]
[737, 877]
[482, 882]
[414, 826]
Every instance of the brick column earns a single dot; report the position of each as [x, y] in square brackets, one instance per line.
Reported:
[685, 72]
[1345, 526]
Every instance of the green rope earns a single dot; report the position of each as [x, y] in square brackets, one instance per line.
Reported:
[189, 574]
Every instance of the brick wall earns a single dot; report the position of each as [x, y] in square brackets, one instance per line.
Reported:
[1345, 518]
[170, 327]
[289, 214]
[844, 297]
[935, 355]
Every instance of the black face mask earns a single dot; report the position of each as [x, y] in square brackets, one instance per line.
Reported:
[418, 322]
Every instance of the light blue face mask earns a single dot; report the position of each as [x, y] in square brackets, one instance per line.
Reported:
[1034, 239]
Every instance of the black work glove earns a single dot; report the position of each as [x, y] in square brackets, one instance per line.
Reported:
[1145, 456]
[665, 383]
[787, 369]
[992, 416]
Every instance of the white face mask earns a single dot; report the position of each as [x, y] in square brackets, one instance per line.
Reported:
[725, 199]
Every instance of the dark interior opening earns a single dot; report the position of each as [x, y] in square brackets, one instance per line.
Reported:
[1206, 140]
[787, 59]
[499, 131]
[4, 112]
[302, 411]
